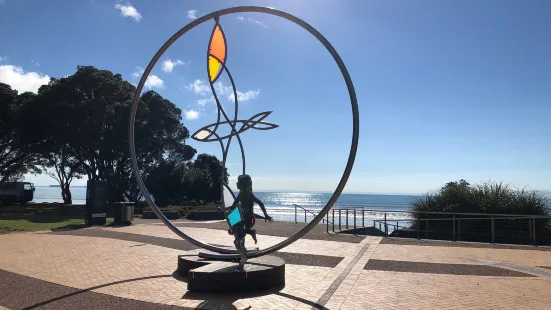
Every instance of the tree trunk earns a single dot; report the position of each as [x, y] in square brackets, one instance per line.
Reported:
[66, 194]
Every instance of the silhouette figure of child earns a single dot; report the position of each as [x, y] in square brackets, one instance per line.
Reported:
[245, 201]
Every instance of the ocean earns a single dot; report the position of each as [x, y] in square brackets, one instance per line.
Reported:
[280, 205]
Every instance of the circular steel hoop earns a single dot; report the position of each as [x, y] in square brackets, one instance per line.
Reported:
[353, 146]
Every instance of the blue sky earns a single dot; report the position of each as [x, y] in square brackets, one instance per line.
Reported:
[446, 89]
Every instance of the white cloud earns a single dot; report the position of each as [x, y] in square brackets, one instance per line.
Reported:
[199, 87]
[192, 14]
[23, 81]
[168, 65]
[246, 96]
[203, 102]
[253, 21]
[191, 114]
[154, 81]
[138, 72]
[127, 10]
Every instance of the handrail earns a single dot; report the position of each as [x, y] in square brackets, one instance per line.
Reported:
[455, 217]
[450, 213]
[306, 210]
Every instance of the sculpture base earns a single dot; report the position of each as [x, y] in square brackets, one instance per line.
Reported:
[215, 276]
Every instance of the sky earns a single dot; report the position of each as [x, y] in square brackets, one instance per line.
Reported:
[446, 89]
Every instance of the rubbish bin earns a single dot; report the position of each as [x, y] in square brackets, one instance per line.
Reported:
[123, 212]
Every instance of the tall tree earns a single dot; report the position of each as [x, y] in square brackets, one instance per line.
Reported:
[16, 158]
[88, 113]
[64, 168]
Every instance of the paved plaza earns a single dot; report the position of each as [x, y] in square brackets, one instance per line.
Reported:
[134, 267]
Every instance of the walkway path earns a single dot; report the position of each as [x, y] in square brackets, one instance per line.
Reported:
[133, 267]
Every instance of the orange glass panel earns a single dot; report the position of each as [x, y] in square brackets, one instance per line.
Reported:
[214, 68]
[217, 46]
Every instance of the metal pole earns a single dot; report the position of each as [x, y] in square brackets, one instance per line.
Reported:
[340, 220]
[418, 228]
[459, 230]
[296, 214]
[453, 227]
[426, 227]
[346, 218]
[530, 229]
[493, 230]
[333, 221]
[304, 215]
[386, 227]
[327, 223]
[397, 225]
[363, 218]
[534, 230]
[354, 218]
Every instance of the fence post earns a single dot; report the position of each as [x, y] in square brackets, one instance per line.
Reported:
[530, 229]
[453, 227]
[418, 228]
[327, 223]
[333, 221]
[426, 227]
[340, 220]
[386, 227]
[493, 230]
[346, 218]
[459, 230]
[296, 214]
[534, 230]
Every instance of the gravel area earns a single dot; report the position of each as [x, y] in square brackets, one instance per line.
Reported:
[437, 268]
[280, 229]
[22, 292]
[424, 242]
[290, 258]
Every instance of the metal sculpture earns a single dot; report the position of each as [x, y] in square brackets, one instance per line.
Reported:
[240, 216]
[216, 59]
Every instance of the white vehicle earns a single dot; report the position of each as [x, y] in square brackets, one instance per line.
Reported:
[11, 192]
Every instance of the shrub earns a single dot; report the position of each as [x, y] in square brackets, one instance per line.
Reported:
[489, 198]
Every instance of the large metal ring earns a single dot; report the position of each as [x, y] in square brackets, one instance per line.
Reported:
[353, 146]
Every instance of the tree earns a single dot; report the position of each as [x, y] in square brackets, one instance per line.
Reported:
[213, 167]
[87, 114]
[178, 183]
[65, 169]
[16, 158]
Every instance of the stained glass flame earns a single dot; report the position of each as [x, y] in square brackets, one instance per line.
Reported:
[217, 53]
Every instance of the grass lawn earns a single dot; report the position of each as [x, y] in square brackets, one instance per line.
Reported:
[34, 217]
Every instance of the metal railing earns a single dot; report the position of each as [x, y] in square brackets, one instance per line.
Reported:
[478, 227]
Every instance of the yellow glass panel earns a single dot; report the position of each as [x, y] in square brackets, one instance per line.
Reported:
[214, 68]
[217, 46]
